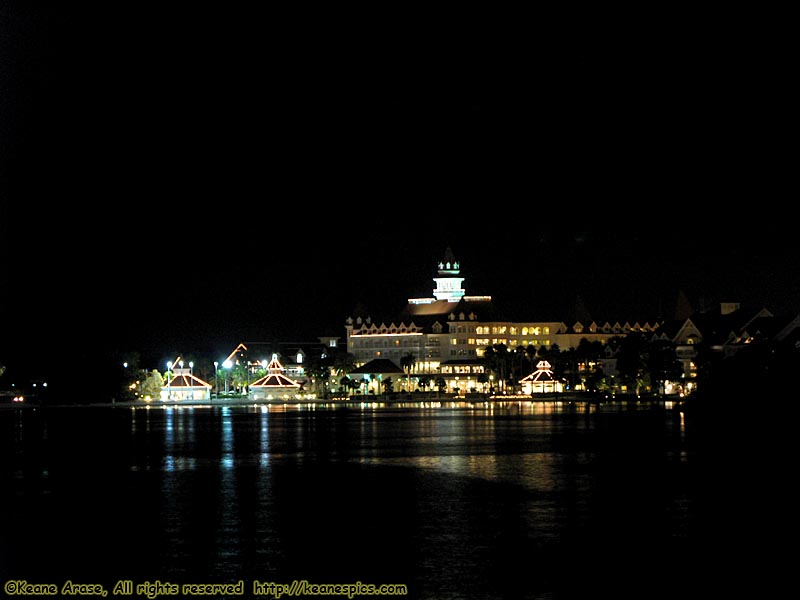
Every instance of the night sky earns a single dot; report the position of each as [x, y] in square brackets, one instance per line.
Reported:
[186, 179]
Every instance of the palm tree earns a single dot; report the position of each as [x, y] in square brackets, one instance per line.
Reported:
[631, 364]
[319, 372]
[583, 359]
[407, 362]
[490, 359]
[497, 357]
[530, 352]
[375, 378]
[424, 381]
[518, 357]
[354, 384]
[662, 362]
[239, 375]
[344, 362]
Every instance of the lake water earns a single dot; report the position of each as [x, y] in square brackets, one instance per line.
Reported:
[518, 500]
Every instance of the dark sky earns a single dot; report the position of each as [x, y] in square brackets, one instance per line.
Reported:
[183, 178]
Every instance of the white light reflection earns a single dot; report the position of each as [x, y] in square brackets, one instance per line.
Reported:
[229, 523]
[169, 429]
[226, 460]
[179, 437]
[263, 459]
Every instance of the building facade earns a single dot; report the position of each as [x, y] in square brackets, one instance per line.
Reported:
[447, 335]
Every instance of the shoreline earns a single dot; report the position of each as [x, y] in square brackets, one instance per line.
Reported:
[394, 400]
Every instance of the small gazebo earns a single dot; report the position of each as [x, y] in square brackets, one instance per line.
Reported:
[274, 385]
[183, 386]
[541, 380]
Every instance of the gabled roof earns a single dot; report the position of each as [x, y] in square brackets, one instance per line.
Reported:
[474, 308]
[538, 376]
[678, 330]
[789, 338]
[439, 307]
[377, 366]
[183, 378]
[275, 377]
[286, 350]
[767, 327]
[790, 329]
[716, 328]
[275, 380]
[543, 372]
[425, 315]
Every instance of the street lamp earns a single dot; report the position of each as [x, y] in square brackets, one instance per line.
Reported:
[169, 378]
[192, 391]
[216, 389]
[227, 365]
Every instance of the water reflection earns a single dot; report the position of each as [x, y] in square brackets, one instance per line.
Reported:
[228, 530]
[227, 459]
[263, 421]
[455, 499]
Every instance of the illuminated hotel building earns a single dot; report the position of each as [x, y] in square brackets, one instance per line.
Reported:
[448, 333]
